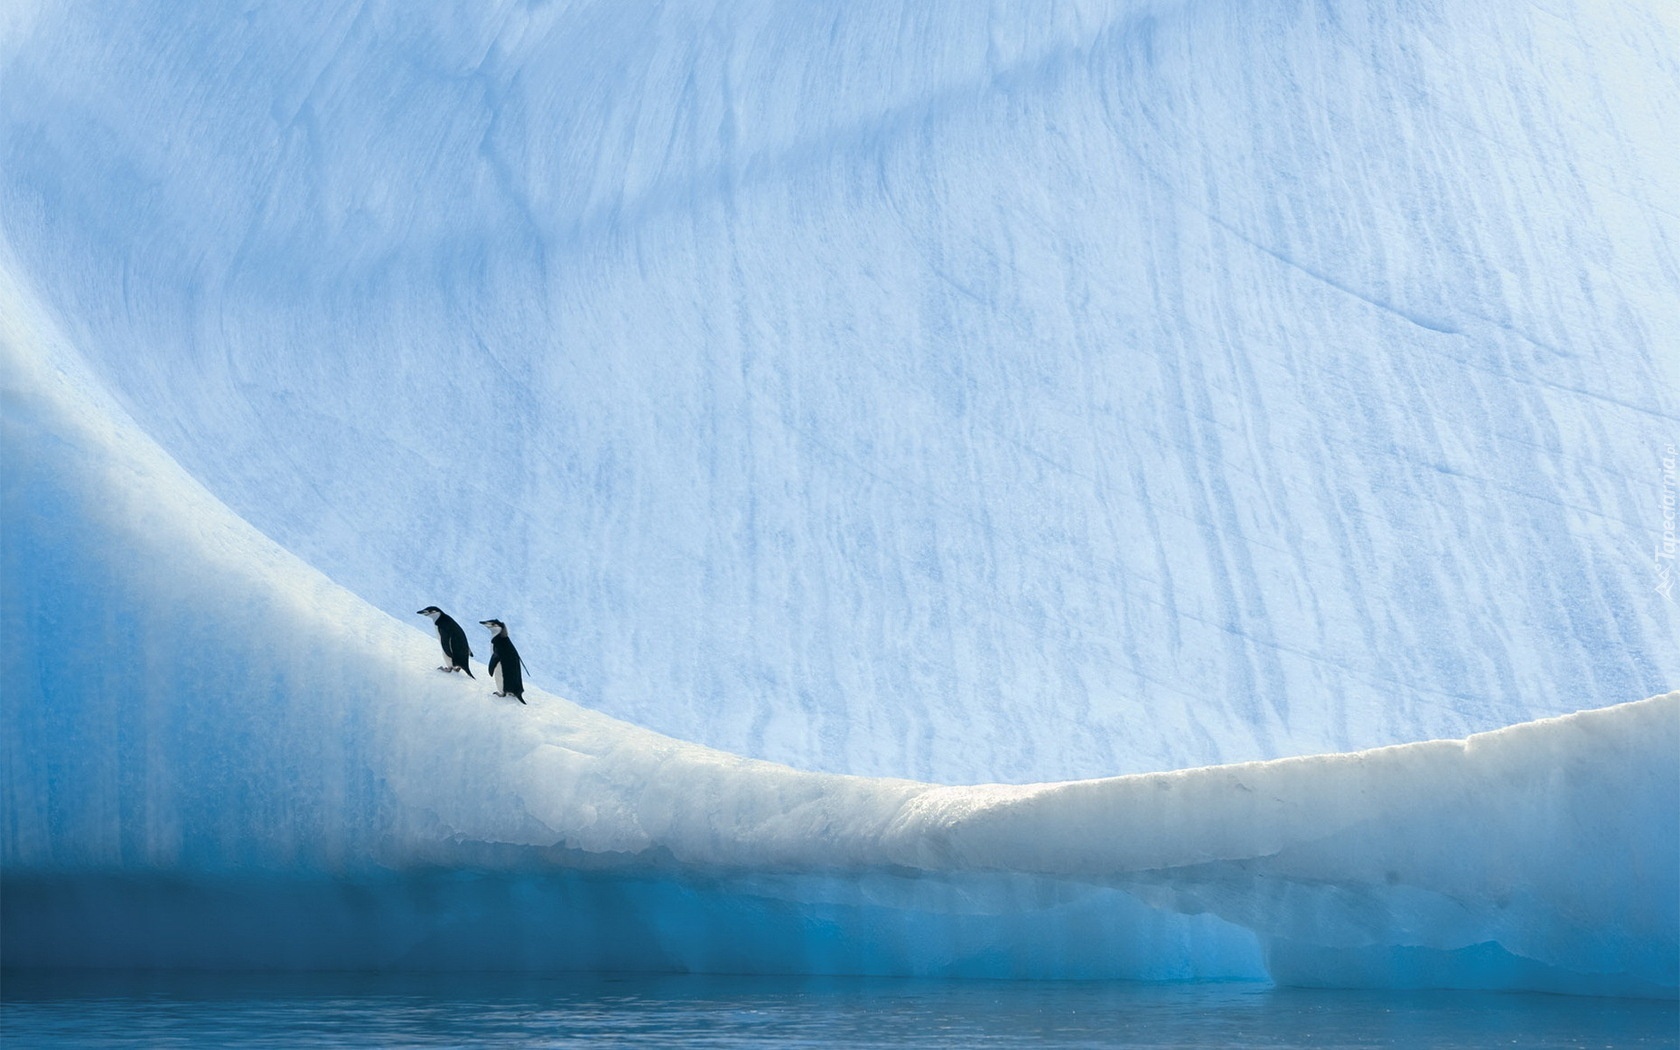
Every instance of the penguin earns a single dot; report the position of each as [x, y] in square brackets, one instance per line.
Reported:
[452, 638]
[505, 664]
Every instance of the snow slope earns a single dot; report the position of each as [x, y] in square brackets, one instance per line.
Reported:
[217, 757]
[963, 392]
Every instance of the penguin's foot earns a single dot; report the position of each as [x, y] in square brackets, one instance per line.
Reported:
[498, 694]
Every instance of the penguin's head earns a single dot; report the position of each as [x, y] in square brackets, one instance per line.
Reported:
[497, 627]
[431, 611]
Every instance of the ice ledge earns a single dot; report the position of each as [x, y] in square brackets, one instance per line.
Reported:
[196, 723]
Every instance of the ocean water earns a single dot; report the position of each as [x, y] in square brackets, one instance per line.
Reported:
[359, 1010]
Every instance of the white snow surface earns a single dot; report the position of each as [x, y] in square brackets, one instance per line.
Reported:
[214, 755]
[966, 392]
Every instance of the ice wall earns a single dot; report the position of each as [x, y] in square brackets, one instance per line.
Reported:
[216, 757]
[943, 390]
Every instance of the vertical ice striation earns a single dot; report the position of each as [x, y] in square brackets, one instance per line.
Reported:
[927, 390]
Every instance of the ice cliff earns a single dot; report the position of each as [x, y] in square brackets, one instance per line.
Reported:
[1095, 404]
[216, 757]
[961, 392]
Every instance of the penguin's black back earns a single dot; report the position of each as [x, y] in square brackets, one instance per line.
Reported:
[454, 642]
[507, 657]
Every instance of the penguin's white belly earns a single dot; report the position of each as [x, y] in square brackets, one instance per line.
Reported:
[499, 688]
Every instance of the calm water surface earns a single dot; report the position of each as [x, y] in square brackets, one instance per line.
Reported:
[346, 1010]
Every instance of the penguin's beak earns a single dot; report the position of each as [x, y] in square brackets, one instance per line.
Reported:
[419, 612]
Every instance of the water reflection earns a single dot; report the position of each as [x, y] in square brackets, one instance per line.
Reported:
[344, 1010]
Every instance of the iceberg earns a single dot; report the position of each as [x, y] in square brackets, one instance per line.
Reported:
[217, 757]
[934, 390]
[1140, 489]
